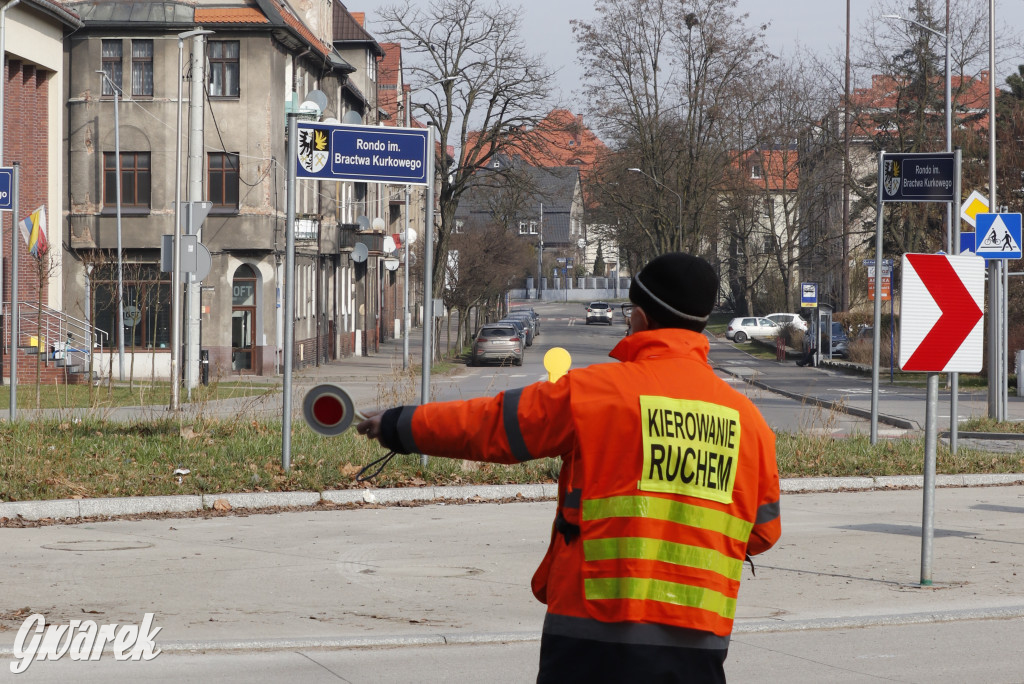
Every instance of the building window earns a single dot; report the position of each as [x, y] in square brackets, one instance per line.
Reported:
[223, 59]
[147, 296]
[142, 68]
[135, 179]
[755, 170]
[533, 227]
[222, 188]
[112, 65]
[460, 226]
[522, 227]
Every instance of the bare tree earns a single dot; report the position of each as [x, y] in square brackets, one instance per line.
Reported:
[482, 83]
[904, 109]
[665, 78]
[489, 256]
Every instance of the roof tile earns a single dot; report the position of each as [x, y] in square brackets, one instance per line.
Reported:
[230, 15]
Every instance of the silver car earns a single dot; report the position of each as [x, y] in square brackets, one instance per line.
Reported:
[599, 312]
[497, 343]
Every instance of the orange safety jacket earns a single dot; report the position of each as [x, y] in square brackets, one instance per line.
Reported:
[668, 479]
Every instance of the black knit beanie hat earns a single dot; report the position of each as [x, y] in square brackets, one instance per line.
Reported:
[676, 290]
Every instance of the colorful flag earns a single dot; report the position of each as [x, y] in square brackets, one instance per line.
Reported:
[33, 229]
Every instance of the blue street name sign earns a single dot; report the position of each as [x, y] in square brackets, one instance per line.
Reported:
[369, 154]
[918, 177]
[998, 236]
[6, 188]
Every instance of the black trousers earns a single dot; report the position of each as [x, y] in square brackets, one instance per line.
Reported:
[564, 660]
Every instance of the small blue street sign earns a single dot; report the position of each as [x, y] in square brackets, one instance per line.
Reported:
[6, 188]
[967, 243]
[998, 236]
[808, 294]
[369, 154]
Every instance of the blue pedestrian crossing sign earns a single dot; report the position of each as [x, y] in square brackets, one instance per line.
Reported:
[998, 236]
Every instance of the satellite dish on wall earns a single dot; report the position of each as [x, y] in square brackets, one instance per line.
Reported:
[378, 223]
[364, 222]
[410, 236]
[310, 108]
[317, 97]
[359, 253]
[352, 117]
[331, 120]
[391, 264]
[389, 244]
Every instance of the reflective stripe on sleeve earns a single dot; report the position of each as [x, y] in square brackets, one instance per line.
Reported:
[405, 430]
[666, 552]
[666, 509]
[674, 593]
[510, 416]
[767, 513]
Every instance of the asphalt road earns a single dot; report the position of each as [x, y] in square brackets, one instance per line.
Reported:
[564, 325]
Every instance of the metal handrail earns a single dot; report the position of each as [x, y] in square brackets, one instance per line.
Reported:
[72, 338]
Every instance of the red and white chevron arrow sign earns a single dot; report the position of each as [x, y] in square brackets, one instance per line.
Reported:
[941, 326]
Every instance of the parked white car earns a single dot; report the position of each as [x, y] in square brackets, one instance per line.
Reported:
[789, 319]
[740, 329]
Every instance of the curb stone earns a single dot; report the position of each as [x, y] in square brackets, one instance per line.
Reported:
[69, 509]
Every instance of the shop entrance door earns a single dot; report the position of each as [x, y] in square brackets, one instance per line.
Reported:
[243, 318]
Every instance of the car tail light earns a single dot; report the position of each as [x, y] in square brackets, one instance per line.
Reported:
[513, 339]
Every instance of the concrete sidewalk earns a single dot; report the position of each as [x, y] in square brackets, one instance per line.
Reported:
[447, 575]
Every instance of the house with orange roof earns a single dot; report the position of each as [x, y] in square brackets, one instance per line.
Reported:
[560, 143]
[263, 58]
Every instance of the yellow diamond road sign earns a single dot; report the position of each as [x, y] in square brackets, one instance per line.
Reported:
[975, 204]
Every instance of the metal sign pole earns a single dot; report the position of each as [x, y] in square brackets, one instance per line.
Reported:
[928, 513]
[877, 319]
[15, 318]
[406, 319]
[289, 292]
[428, 278]
[954, 248]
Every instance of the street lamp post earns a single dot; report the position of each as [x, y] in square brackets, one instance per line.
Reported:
[407, 97]
[679, 199]
[176, 240]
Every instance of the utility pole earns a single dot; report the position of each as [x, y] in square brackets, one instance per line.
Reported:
[540, 253]
[195, 194]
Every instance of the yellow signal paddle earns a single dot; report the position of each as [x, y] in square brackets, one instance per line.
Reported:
[556, 363]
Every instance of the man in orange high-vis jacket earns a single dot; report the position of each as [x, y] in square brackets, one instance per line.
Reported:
[668, 482]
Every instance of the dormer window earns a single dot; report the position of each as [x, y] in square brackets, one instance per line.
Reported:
[755, 170]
